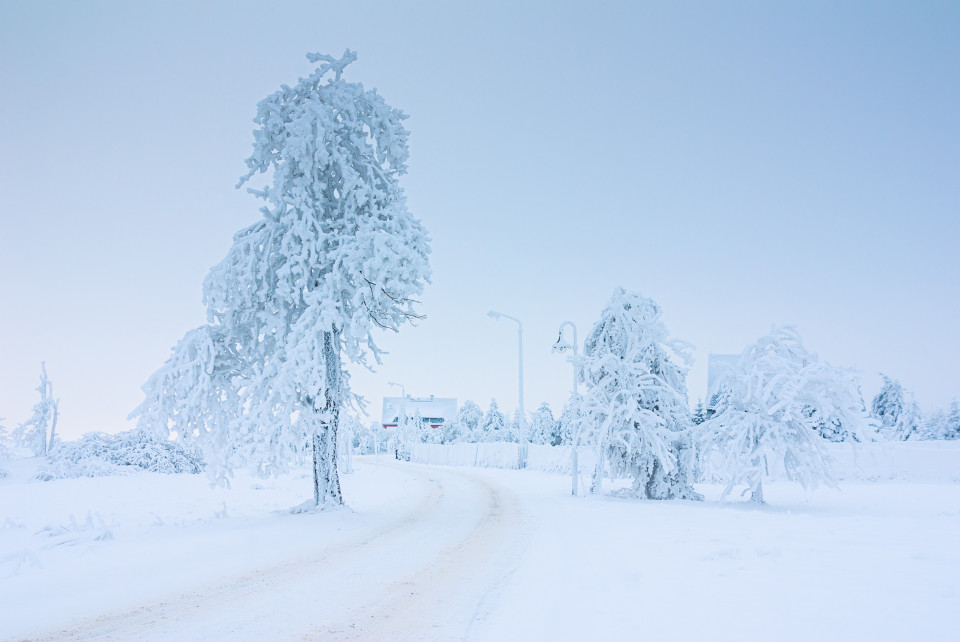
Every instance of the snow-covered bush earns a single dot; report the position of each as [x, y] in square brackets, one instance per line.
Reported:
[98, 454]
[335, 255]
[635, 409]
[767, 417]
[39, 432]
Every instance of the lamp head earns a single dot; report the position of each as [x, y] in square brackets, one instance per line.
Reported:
[493, 315]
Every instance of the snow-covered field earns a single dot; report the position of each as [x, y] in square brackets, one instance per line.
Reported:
[436, 552]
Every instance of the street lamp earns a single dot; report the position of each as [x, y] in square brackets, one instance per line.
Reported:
[523, 417]
[563, 346]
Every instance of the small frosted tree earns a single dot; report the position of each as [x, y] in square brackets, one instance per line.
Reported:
[635, 408]
[768, 416]
[888, 403]
[934, 426]
[699, 413]
[568, 425]
[952, 428]
[334, 256]
[909, 423]
[39, 432]
[543, 426]
[464, 428]
[493, 426]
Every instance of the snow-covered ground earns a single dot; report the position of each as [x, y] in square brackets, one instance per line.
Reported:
[434, 552]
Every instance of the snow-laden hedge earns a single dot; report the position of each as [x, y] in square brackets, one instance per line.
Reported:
[98, 454]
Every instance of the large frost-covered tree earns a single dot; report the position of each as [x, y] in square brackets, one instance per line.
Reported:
[335, 254]
[768, 417]
[635, 408]
[40, 431]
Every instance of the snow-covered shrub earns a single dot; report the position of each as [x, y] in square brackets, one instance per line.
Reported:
[98, 454]
[767, 418]
[635, 409]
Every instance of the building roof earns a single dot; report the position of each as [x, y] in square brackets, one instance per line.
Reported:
[443, 408]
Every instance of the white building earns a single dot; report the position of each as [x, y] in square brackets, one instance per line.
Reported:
[435, 411]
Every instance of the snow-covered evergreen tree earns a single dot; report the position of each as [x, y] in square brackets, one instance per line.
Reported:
[493, 426]
[934, 425]
[466, 425]
[909, 423]
[888, 403]
[543, 426]
[39, 432]
[699, 413]
[774, 398]
[568, 425]
[335, 255]
[512, 433]
[635, 408]
[952, 429]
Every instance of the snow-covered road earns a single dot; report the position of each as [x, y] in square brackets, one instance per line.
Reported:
[440, 553]
[430, 571]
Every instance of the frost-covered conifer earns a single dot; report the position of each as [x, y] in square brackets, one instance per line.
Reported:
[466, 426]
[768, 416]
[543, 427]
[699, 413]
[934, 425]
[335, 255]
[635, 408]
[39, 432]
[909, 423]
[568, 425]
[512, 433]
[952, 430]
[493, 426]
[888, 404]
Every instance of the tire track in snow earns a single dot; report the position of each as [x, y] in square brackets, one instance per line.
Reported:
[391, 581]
[457, 590]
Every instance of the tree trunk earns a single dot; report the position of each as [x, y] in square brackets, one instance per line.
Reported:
[596, 484]
[326, 479]
[757, 495]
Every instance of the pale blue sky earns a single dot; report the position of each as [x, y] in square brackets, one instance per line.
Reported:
[743, 164]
